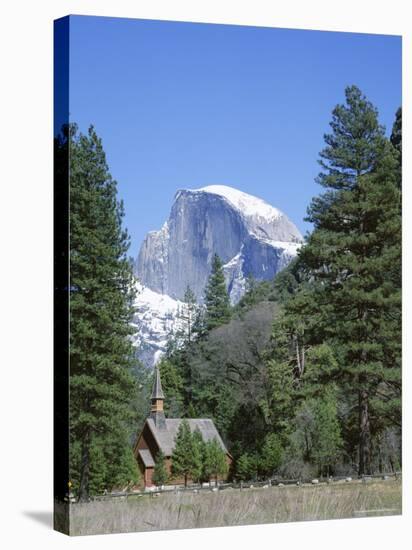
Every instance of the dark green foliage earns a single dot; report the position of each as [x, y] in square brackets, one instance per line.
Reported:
[316, 437]
[218, 310]
[140, 405]
[122, 471]
[327, 440]
[191, 411]
[277, 290]
[215, 463]
[396, 135]
[160, 475]
[246, 467]
[189, 315]
[256, 291]
[396, 140]
[175, 367]
[281, 385]
[101, 308]
[178, 371]
[271, 455]
[388, 452]
[202, 473]
[187, 458]
[229, 377]
[172, 383]
[351, 150]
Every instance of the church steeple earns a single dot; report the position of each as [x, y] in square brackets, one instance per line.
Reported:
[157, 393]
[157, 399]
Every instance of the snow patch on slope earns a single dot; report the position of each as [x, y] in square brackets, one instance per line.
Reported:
[157, 319]
[290, 248]
[235, 280]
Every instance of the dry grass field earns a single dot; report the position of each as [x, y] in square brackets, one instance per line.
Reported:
[186, 510]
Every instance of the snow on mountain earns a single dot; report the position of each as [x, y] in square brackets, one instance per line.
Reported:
[235, 278]
[157, 318]
[249, 205]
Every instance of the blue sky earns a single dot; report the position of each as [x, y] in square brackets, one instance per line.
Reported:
[184, 105]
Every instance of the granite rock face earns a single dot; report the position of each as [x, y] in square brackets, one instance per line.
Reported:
[251, 237]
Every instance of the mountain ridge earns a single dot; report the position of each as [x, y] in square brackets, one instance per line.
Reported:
[251, 237]
[221, 220]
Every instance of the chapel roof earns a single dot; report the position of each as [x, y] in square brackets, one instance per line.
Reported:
[147, 458]
[165, 437]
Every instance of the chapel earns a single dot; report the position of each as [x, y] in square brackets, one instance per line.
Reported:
[159, 433]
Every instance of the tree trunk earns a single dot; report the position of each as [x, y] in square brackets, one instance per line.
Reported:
[307, 456]
[84, 489]
[364, 434]
[380, 462]
[185, 480]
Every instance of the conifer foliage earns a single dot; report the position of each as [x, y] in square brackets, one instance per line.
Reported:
[396, 140]
[189, 315]
[353, 256]
[217, 303]
[396, 135]
[215, 463]
[160, 475]
[101, 308]
[187, 457]
[195, 458]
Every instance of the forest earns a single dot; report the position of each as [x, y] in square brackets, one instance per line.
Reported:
[302, 377]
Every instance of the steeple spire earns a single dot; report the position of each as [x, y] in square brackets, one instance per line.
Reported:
[157, 399]
[157, 392]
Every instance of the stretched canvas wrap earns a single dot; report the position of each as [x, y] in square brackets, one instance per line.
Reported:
[227, 275]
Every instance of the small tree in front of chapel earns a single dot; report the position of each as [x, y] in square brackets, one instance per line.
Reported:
[160, 475]
[186, 458]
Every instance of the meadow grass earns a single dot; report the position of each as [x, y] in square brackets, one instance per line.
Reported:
[186, 510]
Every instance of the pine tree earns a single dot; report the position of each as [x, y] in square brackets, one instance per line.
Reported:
[217, 303]
[197, 456]
[189, 314]
[178, 372]
[160, 475]
[327, 440]
[191, 411]
[287, 361]
[101, 308]
[172, 383]
[315, 439]
[246, 467]
[396, 140]
[353, 256]
[215, 460]
[141, 400]
[186, 458]
[271, 454]
[179, 350]
[201, 452]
